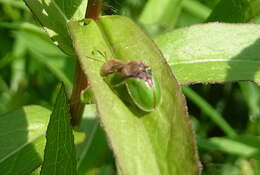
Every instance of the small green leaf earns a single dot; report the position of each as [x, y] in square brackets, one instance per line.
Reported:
[214, 52]
[54, 15]
[59, 154]
[159, 142]
[22, 139]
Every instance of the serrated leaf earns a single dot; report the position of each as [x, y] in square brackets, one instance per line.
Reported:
[160, 142]
[22, 139]
[214, 52]
[54, 15]
[59, 153]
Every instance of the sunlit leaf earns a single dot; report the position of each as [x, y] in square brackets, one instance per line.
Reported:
[213, 52]
[165, 16]
[160, 142]
[22, 139]
[54, 15]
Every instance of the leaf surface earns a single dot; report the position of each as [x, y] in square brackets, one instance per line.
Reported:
[249, 145]
[94, 155]
[22, 139]
[214, 52]
[160, 142]
[45, 52]
[59, 153]
[54, 15]
[235, 11]
[168, 12]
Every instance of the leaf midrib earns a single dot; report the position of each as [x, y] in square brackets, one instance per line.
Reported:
[22, 146]
[212, 60]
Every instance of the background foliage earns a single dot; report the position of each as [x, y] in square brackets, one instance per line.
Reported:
[31, 67]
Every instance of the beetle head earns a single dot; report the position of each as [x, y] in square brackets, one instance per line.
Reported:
[112, 66]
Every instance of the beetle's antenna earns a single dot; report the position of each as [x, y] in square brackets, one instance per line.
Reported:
[95, 59]
[103, 54]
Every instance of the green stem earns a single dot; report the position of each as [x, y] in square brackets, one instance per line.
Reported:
[196, 8]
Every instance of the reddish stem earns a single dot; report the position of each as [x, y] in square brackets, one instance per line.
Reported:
[76, 106]
[93, 10]
[81, 81]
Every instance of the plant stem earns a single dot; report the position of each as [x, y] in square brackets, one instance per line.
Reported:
[81, 81]
[93, 10]
[76, 106]
[196, 9]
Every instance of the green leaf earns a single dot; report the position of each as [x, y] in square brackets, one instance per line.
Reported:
[235, 11]
[159, 142]
[196, 8]
[54, 15]
[5, 96]
[95, 145]
[36, 171]
[59, 153]
[209, 111]
[214, 52]
[22, 139]
[243, 146]
[165, 16]
[251, 93]
[45, 52]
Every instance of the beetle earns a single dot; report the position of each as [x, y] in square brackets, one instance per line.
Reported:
[136, 79]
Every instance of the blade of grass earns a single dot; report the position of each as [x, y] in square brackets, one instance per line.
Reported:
[196, 8]
[95, 145]
[166, 15]
[240, 146]
[209, 111]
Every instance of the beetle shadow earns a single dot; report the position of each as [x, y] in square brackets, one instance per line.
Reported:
[130, 105]
[135, 110]
[114, 82]
[239, 65]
